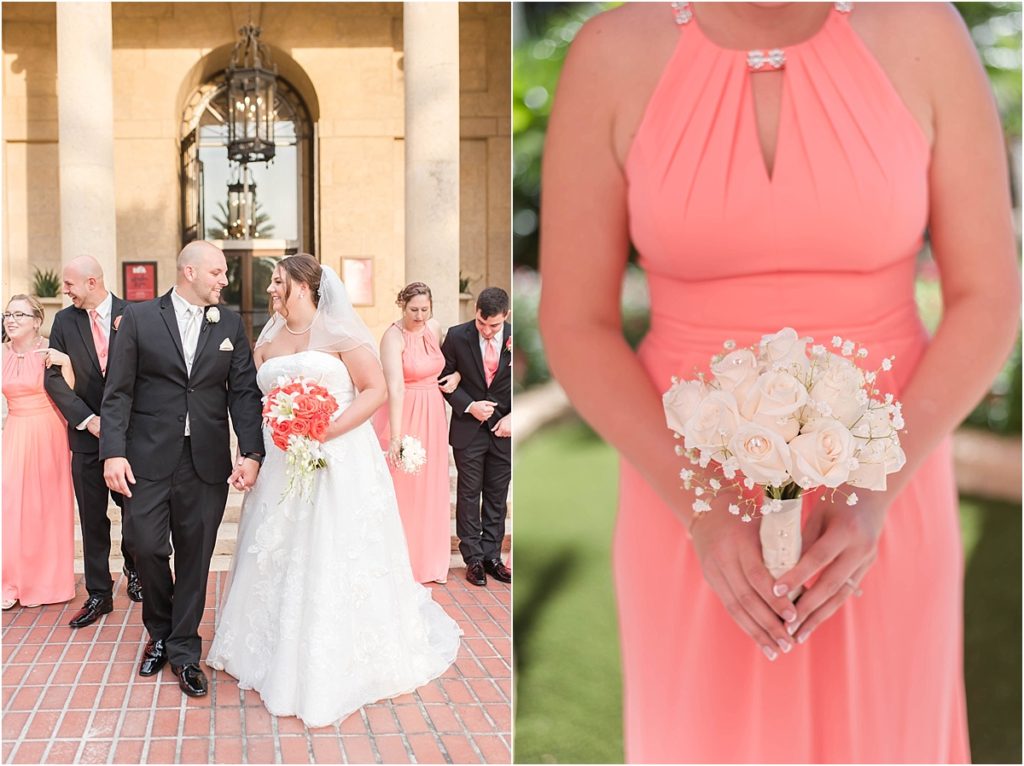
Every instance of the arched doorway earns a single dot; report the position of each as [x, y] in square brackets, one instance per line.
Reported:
[257, 216]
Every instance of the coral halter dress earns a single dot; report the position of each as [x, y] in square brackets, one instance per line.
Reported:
[826, 243]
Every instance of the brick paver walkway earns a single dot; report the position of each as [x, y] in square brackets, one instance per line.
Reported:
[75, 697]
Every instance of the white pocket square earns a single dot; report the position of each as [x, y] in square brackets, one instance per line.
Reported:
[226, 345]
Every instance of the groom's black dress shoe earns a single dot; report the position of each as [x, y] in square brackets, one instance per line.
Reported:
[191, 679]
[134, 588]
[475, 573]
[497, 570]
[93, 608]
[153, 658]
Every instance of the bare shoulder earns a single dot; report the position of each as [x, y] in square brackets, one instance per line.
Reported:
[612, 68]
[391, 336]
[926, 51]
[931, 33]
[620, 43]
[435, 327]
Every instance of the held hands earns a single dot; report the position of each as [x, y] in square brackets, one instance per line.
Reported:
[481, 410]
[117, 473]
[503, 427]
[449, 383]
[840, 543]
[244, 475]
[730, 555]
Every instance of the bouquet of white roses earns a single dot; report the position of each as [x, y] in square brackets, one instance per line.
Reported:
[787, 419]
[411, 455]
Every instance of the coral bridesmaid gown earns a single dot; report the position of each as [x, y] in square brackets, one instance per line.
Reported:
[38, 498]
[826, 243]
[424, 499]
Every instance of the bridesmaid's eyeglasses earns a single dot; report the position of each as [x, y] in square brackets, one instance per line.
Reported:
[17, 316]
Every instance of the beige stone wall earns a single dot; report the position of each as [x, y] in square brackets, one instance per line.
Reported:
[486, 156]
[349, 54]
[31, 200]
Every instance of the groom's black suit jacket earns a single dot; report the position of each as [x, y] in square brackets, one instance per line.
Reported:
[72, 334]
[461, 350]
[149, 390]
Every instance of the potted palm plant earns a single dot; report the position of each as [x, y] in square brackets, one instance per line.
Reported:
[46, 287]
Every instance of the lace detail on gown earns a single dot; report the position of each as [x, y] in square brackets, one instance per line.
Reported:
[322, 614]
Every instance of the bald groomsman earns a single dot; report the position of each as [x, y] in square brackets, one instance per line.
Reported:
[86, 331]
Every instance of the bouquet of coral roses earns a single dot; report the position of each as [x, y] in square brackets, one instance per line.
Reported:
[785, 419]
[297, 411]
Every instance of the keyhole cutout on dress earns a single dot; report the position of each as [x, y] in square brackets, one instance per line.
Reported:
[766, 93]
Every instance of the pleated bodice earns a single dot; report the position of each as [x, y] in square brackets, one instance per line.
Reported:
[825, 240]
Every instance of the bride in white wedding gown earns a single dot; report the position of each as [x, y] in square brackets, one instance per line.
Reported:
[322, 613]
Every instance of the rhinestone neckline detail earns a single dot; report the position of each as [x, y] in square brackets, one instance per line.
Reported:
[758, 60]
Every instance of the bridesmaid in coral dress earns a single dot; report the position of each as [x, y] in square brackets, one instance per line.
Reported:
[777, 164]
[38, 499]
[410, 352]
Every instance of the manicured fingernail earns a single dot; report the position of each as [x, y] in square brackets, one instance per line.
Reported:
[789, 615]
[770, 653]
[780, 589]
[785, 646]
[791, 629]
[803, 636]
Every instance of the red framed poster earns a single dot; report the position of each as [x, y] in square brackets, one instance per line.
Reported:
[139, 279]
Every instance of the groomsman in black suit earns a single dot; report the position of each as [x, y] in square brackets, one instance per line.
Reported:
[86, 331]
[480, 431]
[181, 366]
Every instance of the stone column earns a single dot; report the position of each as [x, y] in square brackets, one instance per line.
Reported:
[431, 32]
[85, 115]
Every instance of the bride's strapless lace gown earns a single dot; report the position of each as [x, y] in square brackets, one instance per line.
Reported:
[322, 613]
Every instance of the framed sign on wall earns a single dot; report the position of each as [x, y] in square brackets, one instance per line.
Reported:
[357, 274]
[139, 280]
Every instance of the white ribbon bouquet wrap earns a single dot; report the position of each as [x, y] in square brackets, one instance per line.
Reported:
[784, 417]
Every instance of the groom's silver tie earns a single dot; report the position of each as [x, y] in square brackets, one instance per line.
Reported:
[191, 335]
[189, 339]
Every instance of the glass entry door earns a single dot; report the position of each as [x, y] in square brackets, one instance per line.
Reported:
[250, 266]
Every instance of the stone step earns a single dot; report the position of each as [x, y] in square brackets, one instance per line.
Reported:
[228, 531]
[233, 509]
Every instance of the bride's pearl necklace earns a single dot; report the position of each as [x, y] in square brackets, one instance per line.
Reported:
[301, 332]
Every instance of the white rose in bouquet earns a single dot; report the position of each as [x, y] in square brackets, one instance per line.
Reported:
[822, 454]
[787, 348]
[762, 454]
[713, 423]
[681, 402]
[775, 401]
[736, 372]
[838, 390]
[878, 450]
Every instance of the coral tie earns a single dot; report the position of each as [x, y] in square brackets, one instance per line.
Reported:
[99, 340]
[490, 362]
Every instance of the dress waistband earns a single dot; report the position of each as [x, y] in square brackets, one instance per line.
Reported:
[34, 405]
[862, 308]
[422, 385]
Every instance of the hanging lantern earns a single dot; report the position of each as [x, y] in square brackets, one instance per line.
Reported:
[241, 205]
[251, 80]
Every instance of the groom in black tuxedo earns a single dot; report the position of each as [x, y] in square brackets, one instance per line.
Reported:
[480, 431]
[181, 364]
[86, 331]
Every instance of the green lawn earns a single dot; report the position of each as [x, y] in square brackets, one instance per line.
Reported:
[566, 644]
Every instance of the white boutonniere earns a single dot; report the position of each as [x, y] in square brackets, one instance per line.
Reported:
[117, 322]
[213, 315]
